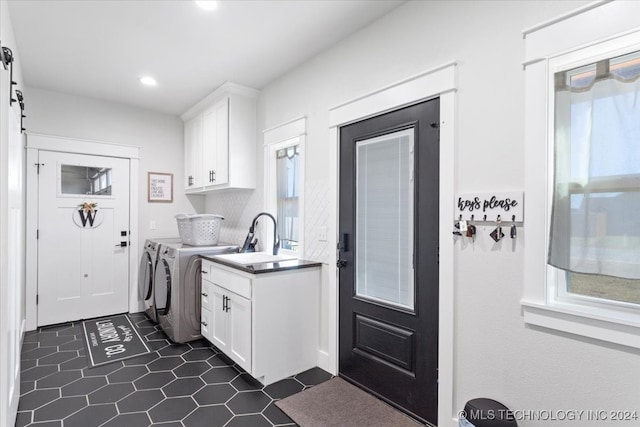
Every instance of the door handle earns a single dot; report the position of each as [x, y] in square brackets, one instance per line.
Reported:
[204, 294]
[122, 245]
[203, 323]
[343, 246]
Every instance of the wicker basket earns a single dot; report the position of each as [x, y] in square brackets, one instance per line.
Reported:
[199, 230]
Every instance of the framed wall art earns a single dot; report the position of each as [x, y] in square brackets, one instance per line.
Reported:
[160, 187]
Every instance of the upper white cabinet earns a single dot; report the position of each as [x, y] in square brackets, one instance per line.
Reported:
[192, 153]
[220, 140]
[215, 149]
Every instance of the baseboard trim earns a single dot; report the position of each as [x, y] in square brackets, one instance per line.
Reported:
[324, 363]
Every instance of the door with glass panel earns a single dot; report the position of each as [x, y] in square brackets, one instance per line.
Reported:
[388, 257]
[83, 236]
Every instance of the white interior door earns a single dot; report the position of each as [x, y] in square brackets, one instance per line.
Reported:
[83, 243]
[12, 269]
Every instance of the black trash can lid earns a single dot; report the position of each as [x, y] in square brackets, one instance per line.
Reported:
[485, 412]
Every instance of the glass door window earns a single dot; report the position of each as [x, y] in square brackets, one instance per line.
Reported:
[385, 214]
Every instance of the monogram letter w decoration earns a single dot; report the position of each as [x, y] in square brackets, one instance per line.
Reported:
[88, 215]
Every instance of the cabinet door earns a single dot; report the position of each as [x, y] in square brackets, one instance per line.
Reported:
[193, 153]
[215, 153]
[219, 326]
[240, 330]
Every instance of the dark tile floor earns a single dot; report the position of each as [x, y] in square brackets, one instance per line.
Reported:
[176, 385]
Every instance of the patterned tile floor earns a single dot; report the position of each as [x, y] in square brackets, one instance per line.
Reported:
[176, 385]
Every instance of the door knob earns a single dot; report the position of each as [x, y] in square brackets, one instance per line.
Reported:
[122, 245]
[341, 263]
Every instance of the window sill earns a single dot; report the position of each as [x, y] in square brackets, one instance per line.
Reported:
[571, 318]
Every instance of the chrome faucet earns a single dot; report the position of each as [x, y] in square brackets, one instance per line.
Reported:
[249, 244]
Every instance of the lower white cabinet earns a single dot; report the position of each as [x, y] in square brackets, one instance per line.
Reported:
[230, 329]
[267, 323]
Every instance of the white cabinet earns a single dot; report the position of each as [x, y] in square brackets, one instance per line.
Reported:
[230, 326]
[215, 152]
[192, 148]
[267, 323]
[220, 140]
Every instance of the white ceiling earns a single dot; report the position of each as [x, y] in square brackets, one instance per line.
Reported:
[100, 48]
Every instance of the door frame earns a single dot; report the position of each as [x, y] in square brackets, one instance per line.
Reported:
[438, 82]
[37, 142]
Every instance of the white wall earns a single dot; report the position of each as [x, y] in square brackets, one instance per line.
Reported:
[495, 355]
[159, 136]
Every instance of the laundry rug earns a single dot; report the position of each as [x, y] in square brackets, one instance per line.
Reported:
[336, 403]
[112, 338]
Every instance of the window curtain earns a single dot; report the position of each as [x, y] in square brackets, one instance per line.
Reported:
[288, 171]
[595, 218]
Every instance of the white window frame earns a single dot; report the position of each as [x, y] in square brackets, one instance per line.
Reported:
[596, 31]
[285, 135]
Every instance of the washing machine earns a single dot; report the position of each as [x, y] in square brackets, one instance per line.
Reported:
[177, 284]
[146, 273]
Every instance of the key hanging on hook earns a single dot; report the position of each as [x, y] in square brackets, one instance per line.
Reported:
[456, 229]
[497, 234]
[463, 225]
[471, 231]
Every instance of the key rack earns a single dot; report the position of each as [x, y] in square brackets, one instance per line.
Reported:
[505, 210]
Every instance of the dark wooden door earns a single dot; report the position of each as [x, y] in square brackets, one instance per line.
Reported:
[388, 277]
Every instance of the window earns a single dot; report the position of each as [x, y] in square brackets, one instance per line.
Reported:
[582, 177]
[595, 226]
[284, 178]
[288, 196]
[85, 180]
[385, 210]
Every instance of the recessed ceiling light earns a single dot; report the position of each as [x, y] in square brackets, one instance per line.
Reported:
[148, 81]
[207, 4]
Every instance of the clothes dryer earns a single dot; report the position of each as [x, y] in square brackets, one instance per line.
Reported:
[146, 273]
[178, 283]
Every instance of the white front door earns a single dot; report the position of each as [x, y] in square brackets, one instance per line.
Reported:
[83, 243]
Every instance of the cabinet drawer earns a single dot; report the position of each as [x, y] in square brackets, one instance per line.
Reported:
[232, 282]
[205, 293]
[205, 324]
